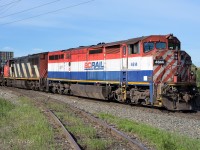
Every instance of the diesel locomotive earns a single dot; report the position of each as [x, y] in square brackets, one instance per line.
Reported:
[148, 70]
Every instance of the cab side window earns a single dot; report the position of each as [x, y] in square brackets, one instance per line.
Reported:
[134, 48]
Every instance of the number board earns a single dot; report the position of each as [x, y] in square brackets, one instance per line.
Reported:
[159, 62]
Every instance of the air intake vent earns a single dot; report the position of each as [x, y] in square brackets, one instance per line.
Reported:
[113, 49]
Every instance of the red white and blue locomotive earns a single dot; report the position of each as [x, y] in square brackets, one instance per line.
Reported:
[149, 70]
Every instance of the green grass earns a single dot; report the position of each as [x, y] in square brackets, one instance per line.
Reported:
[96, 144]
[5, 107]
[162, 140]
[86, 135]
[24, 127]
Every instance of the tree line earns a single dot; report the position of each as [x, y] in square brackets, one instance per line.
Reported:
[198, 77]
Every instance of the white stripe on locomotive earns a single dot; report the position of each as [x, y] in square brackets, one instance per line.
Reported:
[24, 70]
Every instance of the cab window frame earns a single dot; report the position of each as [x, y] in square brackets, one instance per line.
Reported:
[150, 47]
[134, 48]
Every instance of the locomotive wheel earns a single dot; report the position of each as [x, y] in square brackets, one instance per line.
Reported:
[60, 91]
[42, 89]
[36, 88]
[54, 90]
[128, 101]
[32, 86]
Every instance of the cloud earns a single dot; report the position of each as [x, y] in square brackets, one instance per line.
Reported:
[7, 48]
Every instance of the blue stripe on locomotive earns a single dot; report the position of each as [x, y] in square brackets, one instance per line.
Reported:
[133, 76]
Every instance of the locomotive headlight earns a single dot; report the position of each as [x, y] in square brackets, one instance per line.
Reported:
[191, 73]
[176, 55]
[194, 89]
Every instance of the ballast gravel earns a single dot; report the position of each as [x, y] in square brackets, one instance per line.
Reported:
[188, 126]
[169, 122]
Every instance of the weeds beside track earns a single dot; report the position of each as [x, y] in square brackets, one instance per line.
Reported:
[22, 126]
[88, 133]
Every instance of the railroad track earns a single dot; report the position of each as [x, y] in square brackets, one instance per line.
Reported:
[44, 102]
[74, 145]
[112, 130]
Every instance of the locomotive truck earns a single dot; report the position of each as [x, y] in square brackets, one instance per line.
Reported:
[148, 70]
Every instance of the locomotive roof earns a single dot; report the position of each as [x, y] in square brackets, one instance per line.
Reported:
[30, 55]
[129, 41]
[132, 40]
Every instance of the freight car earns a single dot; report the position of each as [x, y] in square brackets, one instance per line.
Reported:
[149, 70]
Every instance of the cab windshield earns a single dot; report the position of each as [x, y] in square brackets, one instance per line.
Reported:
[161, 45]
[148, 46]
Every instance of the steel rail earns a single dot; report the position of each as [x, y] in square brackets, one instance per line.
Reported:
[113, 131]
[65, 131]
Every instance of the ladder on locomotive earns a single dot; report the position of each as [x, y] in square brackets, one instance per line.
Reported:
[123, 83]
[123, 73]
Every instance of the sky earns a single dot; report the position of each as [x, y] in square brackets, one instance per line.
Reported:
[63, 24]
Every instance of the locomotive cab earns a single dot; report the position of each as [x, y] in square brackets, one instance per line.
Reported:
[173, 80]
[171, 83]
